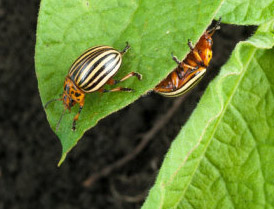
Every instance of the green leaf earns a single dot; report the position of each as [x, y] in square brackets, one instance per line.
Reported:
[246, 12]
[223, 157]
[153, 28]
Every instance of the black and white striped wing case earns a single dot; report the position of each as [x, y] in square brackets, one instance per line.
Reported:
[95, 67]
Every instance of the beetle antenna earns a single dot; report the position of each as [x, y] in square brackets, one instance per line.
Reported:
[57, 126]
[126, 48]
[216, 27]
[52, 100]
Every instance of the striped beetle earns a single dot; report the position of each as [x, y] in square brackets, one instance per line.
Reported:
[192, 69]
[89, 73]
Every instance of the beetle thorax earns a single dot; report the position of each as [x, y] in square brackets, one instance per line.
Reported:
[72, 94]
[205, 48]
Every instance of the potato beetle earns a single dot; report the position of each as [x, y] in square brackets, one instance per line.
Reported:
[89, 73]
[192, 69]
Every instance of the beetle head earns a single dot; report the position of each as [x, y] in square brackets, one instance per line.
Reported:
[72, 94]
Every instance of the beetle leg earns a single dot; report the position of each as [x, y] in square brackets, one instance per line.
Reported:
[188, 66]
[58, 123]
[189, 43]
[138, 75]
[191, 70]
[175, 59]
[184, 69]
[194, 51]
[116, 89]
[113, 82]
[180, 73]
[197, 56]
[52, 100]
[76, 118]
[216, 27]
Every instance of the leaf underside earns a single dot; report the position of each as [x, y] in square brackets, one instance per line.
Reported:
[247, 12]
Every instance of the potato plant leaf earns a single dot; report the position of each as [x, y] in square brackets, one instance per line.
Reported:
[153, 28]
[223, 157]
[246, 12]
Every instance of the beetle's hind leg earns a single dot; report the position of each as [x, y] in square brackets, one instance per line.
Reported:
[137, 75]
[113, 81]
[116, 89]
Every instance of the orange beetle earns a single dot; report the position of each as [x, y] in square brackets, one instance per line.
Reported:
[192, 69]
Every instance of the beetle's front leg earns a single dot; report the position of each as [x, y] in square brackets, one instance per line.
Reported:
[77, 116]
